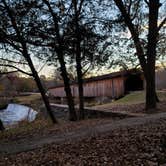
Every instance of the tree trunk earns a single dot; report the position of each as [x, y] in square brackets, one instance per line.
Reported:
[80, 88]
[79, 72]
[147, 61]
[1, 126]
[151, 54]
[157, 99]
[59, 51]
[78, 63]
[150, 89]
[79, 78]
[40, 87]
[70, 100]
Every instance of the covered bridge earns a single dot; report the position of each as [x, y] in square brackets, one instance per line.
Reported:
[112, 85]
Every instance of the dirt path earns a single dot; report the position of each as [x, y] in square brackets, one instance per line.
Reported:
[29, 144]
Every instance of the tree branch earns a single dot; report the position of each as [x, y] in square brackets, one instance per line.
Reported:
[85, 71]
[129, 7]
[146, 2]
[8, 72]
[162, 24]
[80, 7]
[11, 61]
[134, 33]
[42, 67]
[7, 39]
[12, 19]
[19, 70]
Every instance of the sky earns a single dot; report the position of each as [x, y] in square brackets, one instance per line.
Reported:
[48, 71]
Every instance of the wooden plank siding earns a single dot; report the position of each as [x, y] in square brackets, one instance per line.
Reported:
[110, 88]
[113, 88]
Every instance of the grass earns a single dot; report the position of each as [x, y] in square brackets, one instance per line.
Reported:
[30, 100]
[34, 101]
[138, 97]
[27, 99]
[132, 98]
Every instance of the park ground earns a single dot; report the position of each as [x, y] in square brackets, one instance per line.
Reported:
[139, 140]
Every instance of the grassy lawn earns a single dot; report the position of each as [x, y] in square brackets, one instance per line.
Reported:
[27, 99]
[33, 100]
[132, 98]
[138, 97]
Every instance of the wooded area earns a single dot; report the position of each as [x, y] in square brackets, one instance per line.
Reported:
[79, 32]
[83, 82]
